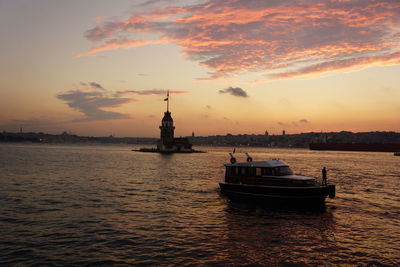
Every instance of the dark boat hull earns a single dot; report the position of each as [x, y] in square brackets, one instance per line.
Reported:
[275, 194]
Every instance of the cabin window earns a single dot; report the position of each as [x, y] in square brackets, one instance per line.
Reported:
[251, 171]
[243, 171]
[284, 170]
[229, 171]
[234, 171]
[258, 171]
[267, 171]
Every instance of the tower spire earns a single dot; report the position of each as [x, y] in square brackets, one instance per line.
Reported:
[167, 99]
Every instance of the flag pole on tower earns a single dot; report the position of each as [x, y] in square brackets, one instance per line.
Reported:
[167, 99]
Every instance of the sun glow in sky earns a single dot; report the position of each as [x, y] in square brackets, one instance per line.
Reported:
[100, 67]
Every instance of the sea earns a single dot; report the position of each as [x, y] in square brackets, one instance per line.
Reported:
[106, 205]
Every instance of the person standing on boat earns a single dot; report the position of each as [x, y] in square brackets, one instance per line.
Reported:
[324, 179]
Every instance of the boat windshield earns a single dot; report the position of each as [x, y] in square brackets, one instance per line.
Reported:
[284, 170]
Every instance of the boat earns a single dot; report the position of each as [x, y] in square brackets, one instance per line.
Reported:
[272, 182]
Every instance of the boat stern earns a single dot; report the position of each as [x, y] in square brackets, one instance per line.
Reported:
[331, 191]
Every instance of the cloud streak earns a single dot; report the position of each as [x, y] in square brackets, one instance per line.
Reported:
[150, 92]
[294, 123]
[92, 85]
[235, 91]
[279, 39]
[116, 44]
[96, 85]
[91, 101]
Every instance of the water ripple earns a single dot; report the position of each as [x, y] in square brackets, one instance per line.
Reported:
[107, 205]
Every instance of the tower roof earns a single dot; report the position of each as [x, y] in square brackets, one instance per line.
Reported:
[167, 116]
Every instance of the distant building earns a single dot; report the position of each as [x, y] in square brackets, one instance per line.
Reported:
[283, 132]
[168, 143]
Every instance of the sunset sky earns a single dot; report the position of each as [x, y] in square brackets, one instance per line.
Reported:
[101, 67]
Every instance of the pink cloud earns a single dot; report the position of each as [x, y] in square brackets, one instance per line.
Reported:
[287, 37]
[385, 59]
[119, 44]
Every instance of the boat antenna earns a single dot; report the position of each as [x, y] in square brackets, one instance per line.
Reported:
[233, 159]
[249, 159]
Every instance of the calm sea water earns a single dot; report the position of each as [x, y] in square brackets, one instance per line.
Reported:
[108, 205]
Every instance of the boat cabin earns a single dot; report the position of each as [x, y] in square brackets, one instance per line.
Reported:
[270, 172]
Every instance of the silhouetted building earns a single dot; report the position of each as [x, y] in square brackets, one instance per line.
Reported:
[167, 142]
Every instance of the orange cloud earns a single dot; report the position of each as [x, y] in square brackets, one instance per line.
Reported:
[385, 59]
[119, 44]
[291, 37]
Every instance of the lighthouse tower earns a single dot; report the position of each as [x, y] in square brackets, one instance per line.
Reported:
[167, 142]
[166, 129]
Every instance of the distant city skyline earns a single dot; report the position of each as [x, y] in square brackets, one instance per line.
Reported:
[100, 67]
